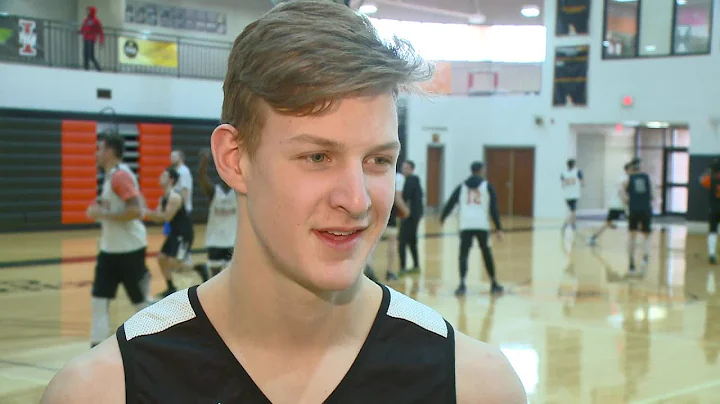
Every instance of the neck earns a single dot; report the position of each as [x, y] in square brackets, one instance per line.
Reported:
[255, 303]
[110, 165]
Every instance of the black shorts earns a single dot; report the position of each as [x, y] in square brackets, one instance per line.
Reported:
[614, 214]
[115, 268]
[572, 204]
[218, 256]
[713, 220]
[640, 221]
[177, 245]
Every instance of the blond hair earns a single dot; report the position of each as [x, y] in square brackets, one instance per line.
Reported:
[304, 56]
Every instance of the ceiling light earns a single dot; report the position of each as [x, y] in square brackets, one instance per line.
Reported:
[368, 9]
[530, 11]
[477, 19]
[657, 125]
[681, 2]
[625, 1]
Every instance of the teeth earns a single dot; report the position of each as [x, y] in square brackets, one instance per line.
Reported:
[340, 233]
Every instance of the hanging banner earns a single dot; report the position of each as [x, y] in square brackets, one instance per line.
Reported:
[570, 82]
[145, 52]
[573, 17]
[21, 37]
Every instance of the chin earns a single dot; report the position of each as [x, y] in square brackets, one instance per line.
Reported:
[335, 277]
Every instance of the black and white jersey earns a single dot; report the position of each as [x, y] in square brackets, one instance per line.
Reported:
[172, 354]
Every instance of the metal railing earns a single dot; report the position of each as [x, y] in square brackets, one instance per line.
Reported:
[58, 44]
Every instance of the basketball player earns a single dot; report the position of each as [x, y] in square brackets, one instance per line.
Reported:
[711, 181]
[309, 144]
[413, 197]
[617, 207]
[222, 219]
[478, 202]
[123, 238]
[390, 235]
[572, 181]
[638, 197]
[185, 187]
[176, 247]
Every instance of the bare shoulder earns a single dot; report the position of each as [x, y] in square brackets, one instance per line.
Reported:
[94, 377]
[484, 375]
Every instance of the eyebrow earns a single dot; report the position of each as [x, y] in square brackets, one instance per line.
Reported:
[335, 145]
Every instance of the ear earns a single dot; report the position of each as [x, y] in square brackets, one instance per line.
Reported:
[227, 153]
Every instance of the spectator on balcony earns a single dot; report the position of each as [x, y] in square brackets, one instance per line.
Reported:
[91, 31]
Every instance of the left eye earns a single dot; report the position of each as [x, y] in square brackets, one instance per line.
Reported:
[316, 157]
[381, 160]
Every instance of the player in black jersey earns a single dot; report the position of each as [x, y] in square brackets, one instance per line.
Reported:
[177, 244]
[309, 142]
[638, 198]
[711, 181]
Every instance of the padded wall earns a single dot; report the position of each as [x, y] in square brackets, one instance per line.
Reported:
[155, 142]
[79, 169]
[30, 165]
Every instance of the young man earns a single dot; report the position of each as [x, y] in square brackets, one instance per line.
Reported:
[309, 144]
[176, 247]
[572, 182]
[478, 203]
[711, 182]
[617, 207]
[123, 239]
[184, 185]
[413, 196]
[638, 197]
[222, 220]
[390, 235]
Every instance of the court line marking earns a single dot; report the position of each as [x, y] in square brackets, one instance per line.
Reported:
[92, 258]
[29, 365]
[678, 392]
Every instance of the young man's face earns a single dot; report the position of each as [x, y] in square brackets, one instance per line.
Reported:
[102, 154]
[407, 169]
[320, 189]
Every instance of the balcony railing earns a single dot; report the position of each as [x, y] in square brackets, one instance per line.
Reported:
[43, 42]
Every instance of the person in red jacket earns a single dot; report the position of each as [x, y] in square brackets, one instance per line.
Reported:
[91, 31]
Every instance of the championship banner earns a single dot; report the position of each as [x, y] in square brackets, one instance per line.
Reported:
[571, 75]
[21, 37]
[573, 17]
[145, 52]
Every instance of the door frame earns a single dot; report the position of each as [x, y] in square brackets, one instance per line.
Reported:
[441, 178]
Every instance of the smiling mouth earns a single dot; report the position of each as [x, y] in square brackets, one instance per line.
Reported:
[340, 238]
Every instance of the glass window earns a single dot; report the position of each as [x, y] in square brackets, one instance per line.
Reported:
[621, 23]
[679, 168]
[692, 26]
[656, 20]
[681, 138]
[646, 28]
[676, 200]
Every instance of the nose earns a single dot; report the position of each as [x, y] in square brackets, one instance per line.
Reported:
[351, 192]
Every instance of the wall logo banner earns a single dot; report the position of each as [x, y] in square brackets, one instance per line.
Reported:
[21, 37]
[571, 76]
[146, 52]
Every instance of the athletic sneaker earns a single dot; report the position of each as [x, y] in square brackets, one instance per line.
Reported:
[496, 289]
[460, 291]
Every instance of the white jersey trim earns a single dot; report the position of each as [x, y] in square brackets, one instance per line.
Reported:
[168, 312]
[405, 308]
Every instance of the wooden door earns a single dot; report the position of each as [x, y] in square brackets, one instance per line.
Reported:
[512, 173]
[435, 154]
[498, 169]
[523, 182]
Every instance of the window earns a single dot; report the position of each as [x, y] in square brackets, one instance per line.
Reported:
[692, 27]
[650, 28]
[621, 23]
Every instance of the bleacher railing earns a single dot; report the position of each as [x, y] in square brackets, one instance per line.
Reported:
[43, 42]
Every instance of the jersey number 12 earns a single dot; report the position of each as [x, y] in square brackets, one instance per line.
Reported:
[473, 197]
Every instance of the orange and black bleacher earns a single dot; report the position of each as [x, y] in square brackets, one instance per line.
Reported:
[48, 171]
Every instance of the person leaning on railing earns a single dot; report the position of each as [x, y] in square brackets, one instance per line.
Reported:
[91, 31]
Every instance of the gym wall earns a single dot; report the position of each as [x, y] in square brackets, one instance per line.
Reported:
[49, 166]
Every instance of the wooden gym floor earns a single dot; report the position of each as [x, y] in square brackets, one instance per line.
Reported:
[574, 329]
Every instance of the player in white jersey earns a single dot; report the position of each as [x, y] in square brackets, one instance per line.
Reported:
[123, 238]
[222, 221]
[478, 203]
[572, 182]
[617, 207]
